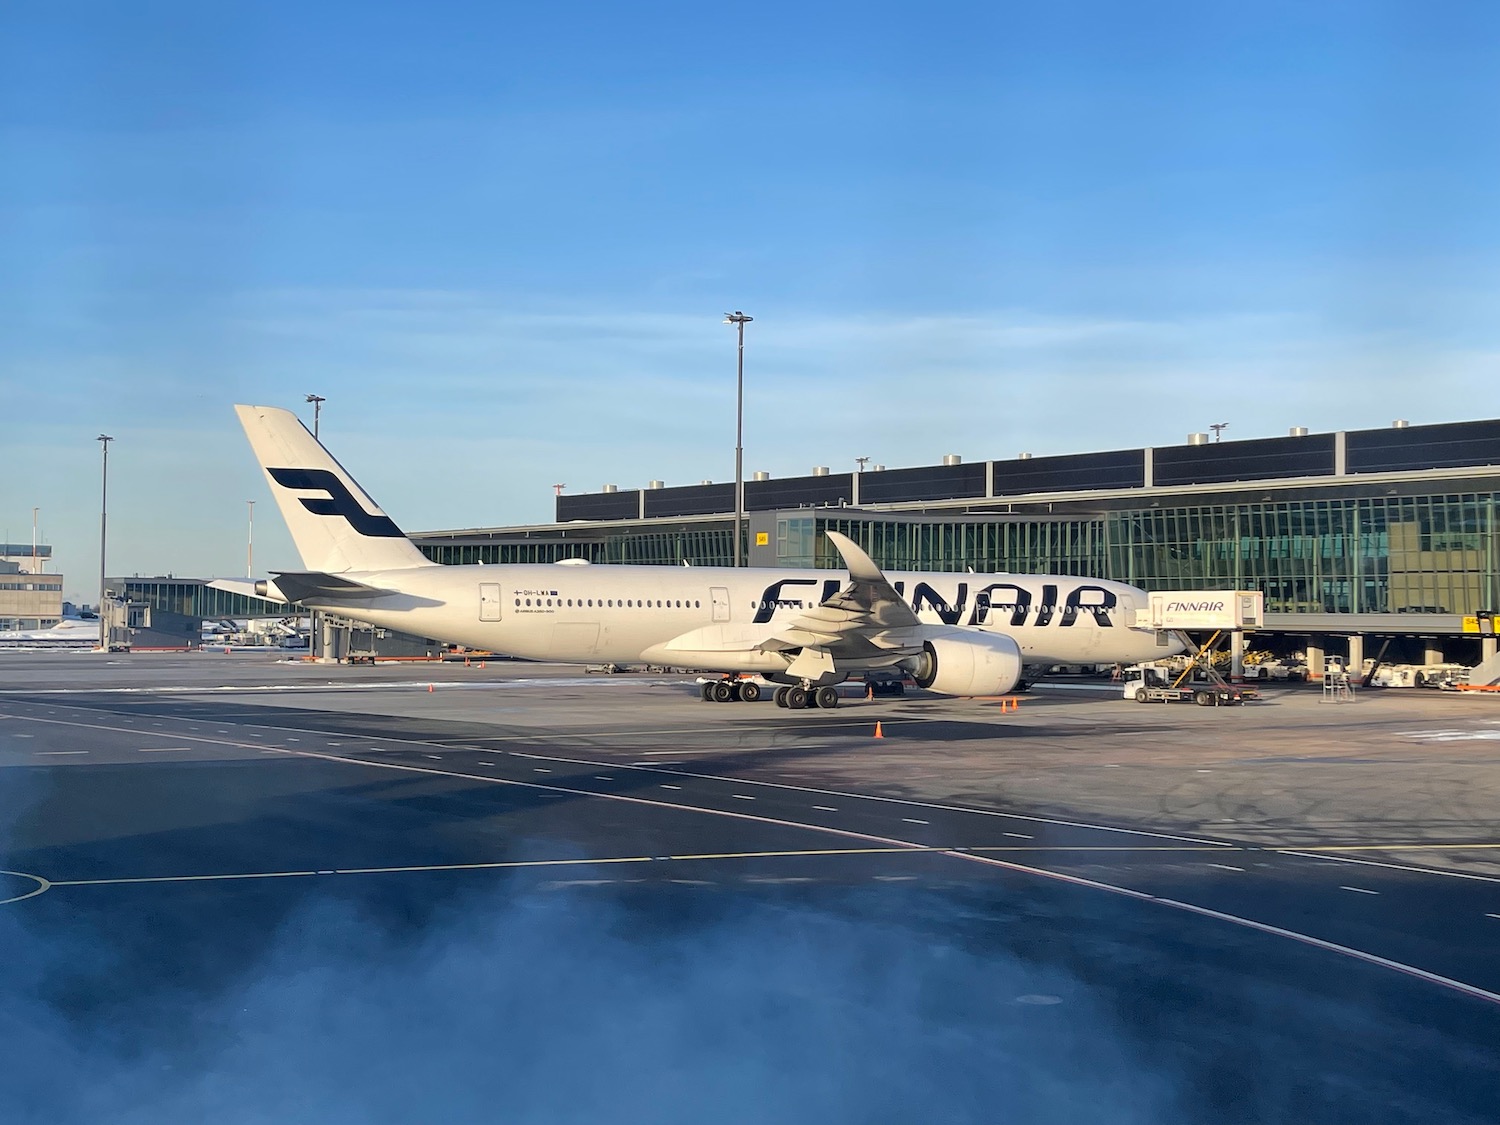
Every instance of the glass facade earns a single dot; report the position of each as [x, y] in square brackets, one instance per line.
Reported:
[696, 546]
[535, 551]
[1412, 554]
[195, 599]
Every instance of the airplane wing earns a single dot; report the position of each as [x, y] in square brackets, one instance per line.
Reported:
[863, 620]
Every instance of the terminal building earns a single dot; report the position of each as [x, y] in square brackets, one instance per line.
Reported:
[29, 597]
[1385, 534]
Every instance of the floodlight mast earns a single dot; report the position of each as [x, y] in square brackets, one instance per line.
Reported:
[104, 440]
[739, 320]
[317, 401]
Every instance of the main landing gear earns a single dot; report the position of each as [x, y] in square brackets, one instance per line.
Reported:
[729, 691]
[797, 697]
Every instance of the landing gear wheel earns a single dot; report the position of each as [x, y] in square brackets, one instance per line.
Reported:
[1141, 696]
[796, 698]
[706, 692]
[749, 691]
[723, 691]
[827, 697]
[780, 696]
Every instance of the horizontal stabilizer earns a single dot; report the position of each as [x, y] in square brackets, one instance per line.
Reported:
[314, 585]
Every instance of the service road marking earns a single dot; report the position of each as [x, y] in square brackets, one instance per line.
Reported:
[882, 844]
[58, 753]
[1226, 867]
[1359, 890]
[163, 749]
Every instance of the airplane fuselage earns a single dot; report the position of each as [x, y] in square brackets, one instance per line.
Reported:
[626, 614]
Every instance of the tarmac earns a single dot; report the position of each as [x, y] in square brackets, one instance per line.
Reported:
[555, 896]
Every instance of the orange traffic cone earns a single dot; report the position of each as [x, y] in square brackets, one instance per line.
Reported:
[878, 732]
[869, 691]
[429, 687]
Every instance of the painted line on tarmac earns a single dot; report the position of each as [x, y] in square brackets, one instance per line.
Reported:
[42, 885]
[498, 865]
[1393, 866]
[1295, 850]
[661, 768]
[1368, 958]
[1473, 991]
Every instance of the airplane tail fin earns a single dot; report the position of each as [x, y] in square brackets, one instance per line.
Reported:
[334, 523]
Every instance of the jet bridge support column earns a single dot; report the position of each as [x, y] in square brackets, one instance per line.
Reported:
[1356, 663]
[1432, 650]
[1315, 663]
[1237, 656]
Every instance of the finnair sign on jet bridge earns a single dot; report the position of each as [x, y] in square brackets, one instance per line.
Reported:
[1207, 609]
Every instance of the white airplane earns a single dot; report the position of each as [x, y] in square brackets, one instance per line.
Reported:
[806, 630]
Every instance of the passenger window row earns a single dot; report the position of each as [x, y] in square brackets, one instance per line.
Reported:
[611, 603]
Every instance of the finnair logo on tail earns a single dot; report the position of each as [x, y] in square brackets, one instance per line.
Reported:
[339, 501]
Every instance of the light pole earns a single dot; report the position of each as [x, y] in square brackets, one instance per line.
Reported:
[104, 440]
[317, 401]
[739, 320]
[250, 542]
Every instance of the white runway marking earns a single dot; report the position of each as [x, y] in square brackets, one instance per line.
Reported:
[911, 820]
[825, 808]
[1226, 867]
[434, 757]
[601, 777]
[1359, 890]
[1392, 866]
[741, 797]
[163, 749]
[58, 753]
[1037, 872]
[539, 769]
[1018, 836]
[671, 787]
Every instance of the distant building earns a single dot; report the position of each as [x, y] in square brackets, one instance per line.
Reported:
[31, 558]
[27, 600]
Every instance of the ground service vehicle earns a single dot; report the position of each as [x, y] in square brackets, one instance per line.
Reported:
[1158, 682]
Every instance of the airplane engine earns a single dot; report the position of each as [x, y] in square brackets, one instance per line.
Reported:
[962, 662]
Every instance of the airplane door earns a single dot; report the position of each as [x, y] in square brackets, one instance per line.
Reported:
[719, 595]
[489, 601]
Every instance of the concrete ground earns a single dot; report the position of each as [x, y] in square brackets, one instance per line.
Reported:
[559, 895]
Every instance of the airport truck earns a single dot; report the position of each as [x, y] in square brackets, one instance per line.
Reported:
[1162, 682]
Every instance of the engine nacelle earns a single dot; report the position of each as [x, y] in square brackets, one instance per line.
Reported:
[967, 662]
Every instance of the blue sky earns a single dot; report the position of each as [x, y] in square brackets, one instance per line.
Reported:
[500, 238]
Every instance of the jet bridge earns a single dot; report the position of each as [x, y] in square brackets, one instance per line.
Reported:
[1231, 612]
